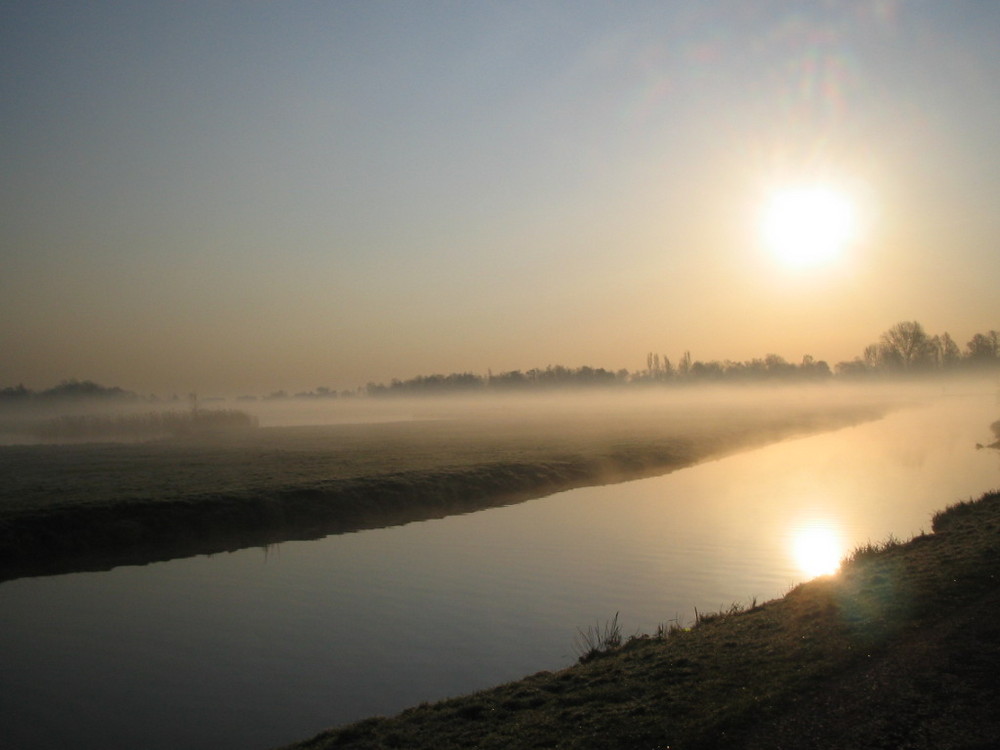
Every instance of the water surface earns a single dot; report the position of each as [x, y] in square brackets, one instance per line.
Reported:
[262, 647]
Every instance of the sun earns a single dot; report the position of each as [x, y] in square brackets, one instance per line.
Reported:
[808, 225]
[817, 549]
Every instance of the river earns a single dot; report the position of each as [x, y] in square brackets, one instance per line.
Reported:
[266, 646]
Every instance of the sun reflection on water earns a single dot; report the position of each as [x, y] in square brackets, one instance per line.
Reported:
[817, 548]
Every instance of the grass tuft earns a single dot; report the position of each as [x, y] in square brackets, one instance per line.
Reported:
[598, 640]
[670, 628]
[870, 549]
[601, 640]
[736, 608]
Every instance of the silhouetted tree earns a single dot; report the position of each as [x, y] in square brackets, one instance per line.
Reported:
[707, 370]
[907, 345]
[658, 367]
[855, 368]
[870, 357]
[684, 365]
[16, 393]
[813, 369]
[983, 348]
[84, 389]
[948, 353]
[777, 366]
[509, 380]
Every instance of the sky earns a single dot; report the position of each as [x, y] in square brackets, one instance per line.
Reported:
[239, 197]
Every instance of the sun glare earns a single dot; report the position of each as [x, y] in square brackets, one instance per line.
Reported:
[817, 549]
[808, 225]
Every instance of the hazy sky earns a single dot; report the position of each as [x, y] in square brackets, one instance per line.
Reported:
[245, 196]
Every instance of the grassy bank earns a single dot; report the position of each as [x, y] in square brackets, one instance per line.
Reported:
[79, 507]
[900, 649]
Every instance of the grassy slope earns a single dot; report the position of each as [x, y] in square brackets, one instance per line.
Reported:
[77, 507]
[899, 650]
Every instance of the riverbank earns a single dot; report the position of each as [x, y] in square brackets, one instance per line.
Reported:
[67, 508]
[899, 649]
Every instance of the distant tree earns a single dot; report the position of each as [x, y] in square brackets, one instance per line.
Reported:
[907, 346]
[84, 389]
[684, 365]
[736, 371]
[756, 369]
[948, 353]
[889, 359]
[870, 357]
[983, 348]
[508, 380]
[15, 393]
[857, 367]
[776, 366]
[658, 367]
[813, 369]
[707, 370]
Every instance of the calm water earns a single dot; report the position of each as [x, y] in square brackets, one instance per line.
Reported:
[263, 647]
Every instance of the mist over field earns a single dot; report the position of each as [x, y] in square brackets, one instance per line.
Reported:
[608, 406]
[99, 482]
[905, 359]
[102, 419]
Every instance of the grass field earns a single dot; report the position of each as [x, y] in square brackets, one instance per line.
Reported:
[95, 505]
[900, 649]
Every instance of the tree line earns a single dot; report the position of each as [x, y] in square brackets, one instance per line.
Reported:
[905, 350]
[555, 376]
[67, 390]
[908, 348]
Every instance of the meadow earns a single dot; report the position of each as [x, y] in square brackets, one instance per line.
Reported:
[82, 506]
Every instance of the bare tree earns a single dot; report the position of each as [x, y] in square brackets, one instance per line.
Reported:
[907, 344]
[948, 351]
[984, 347]
[871, 356]
[684, 366]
